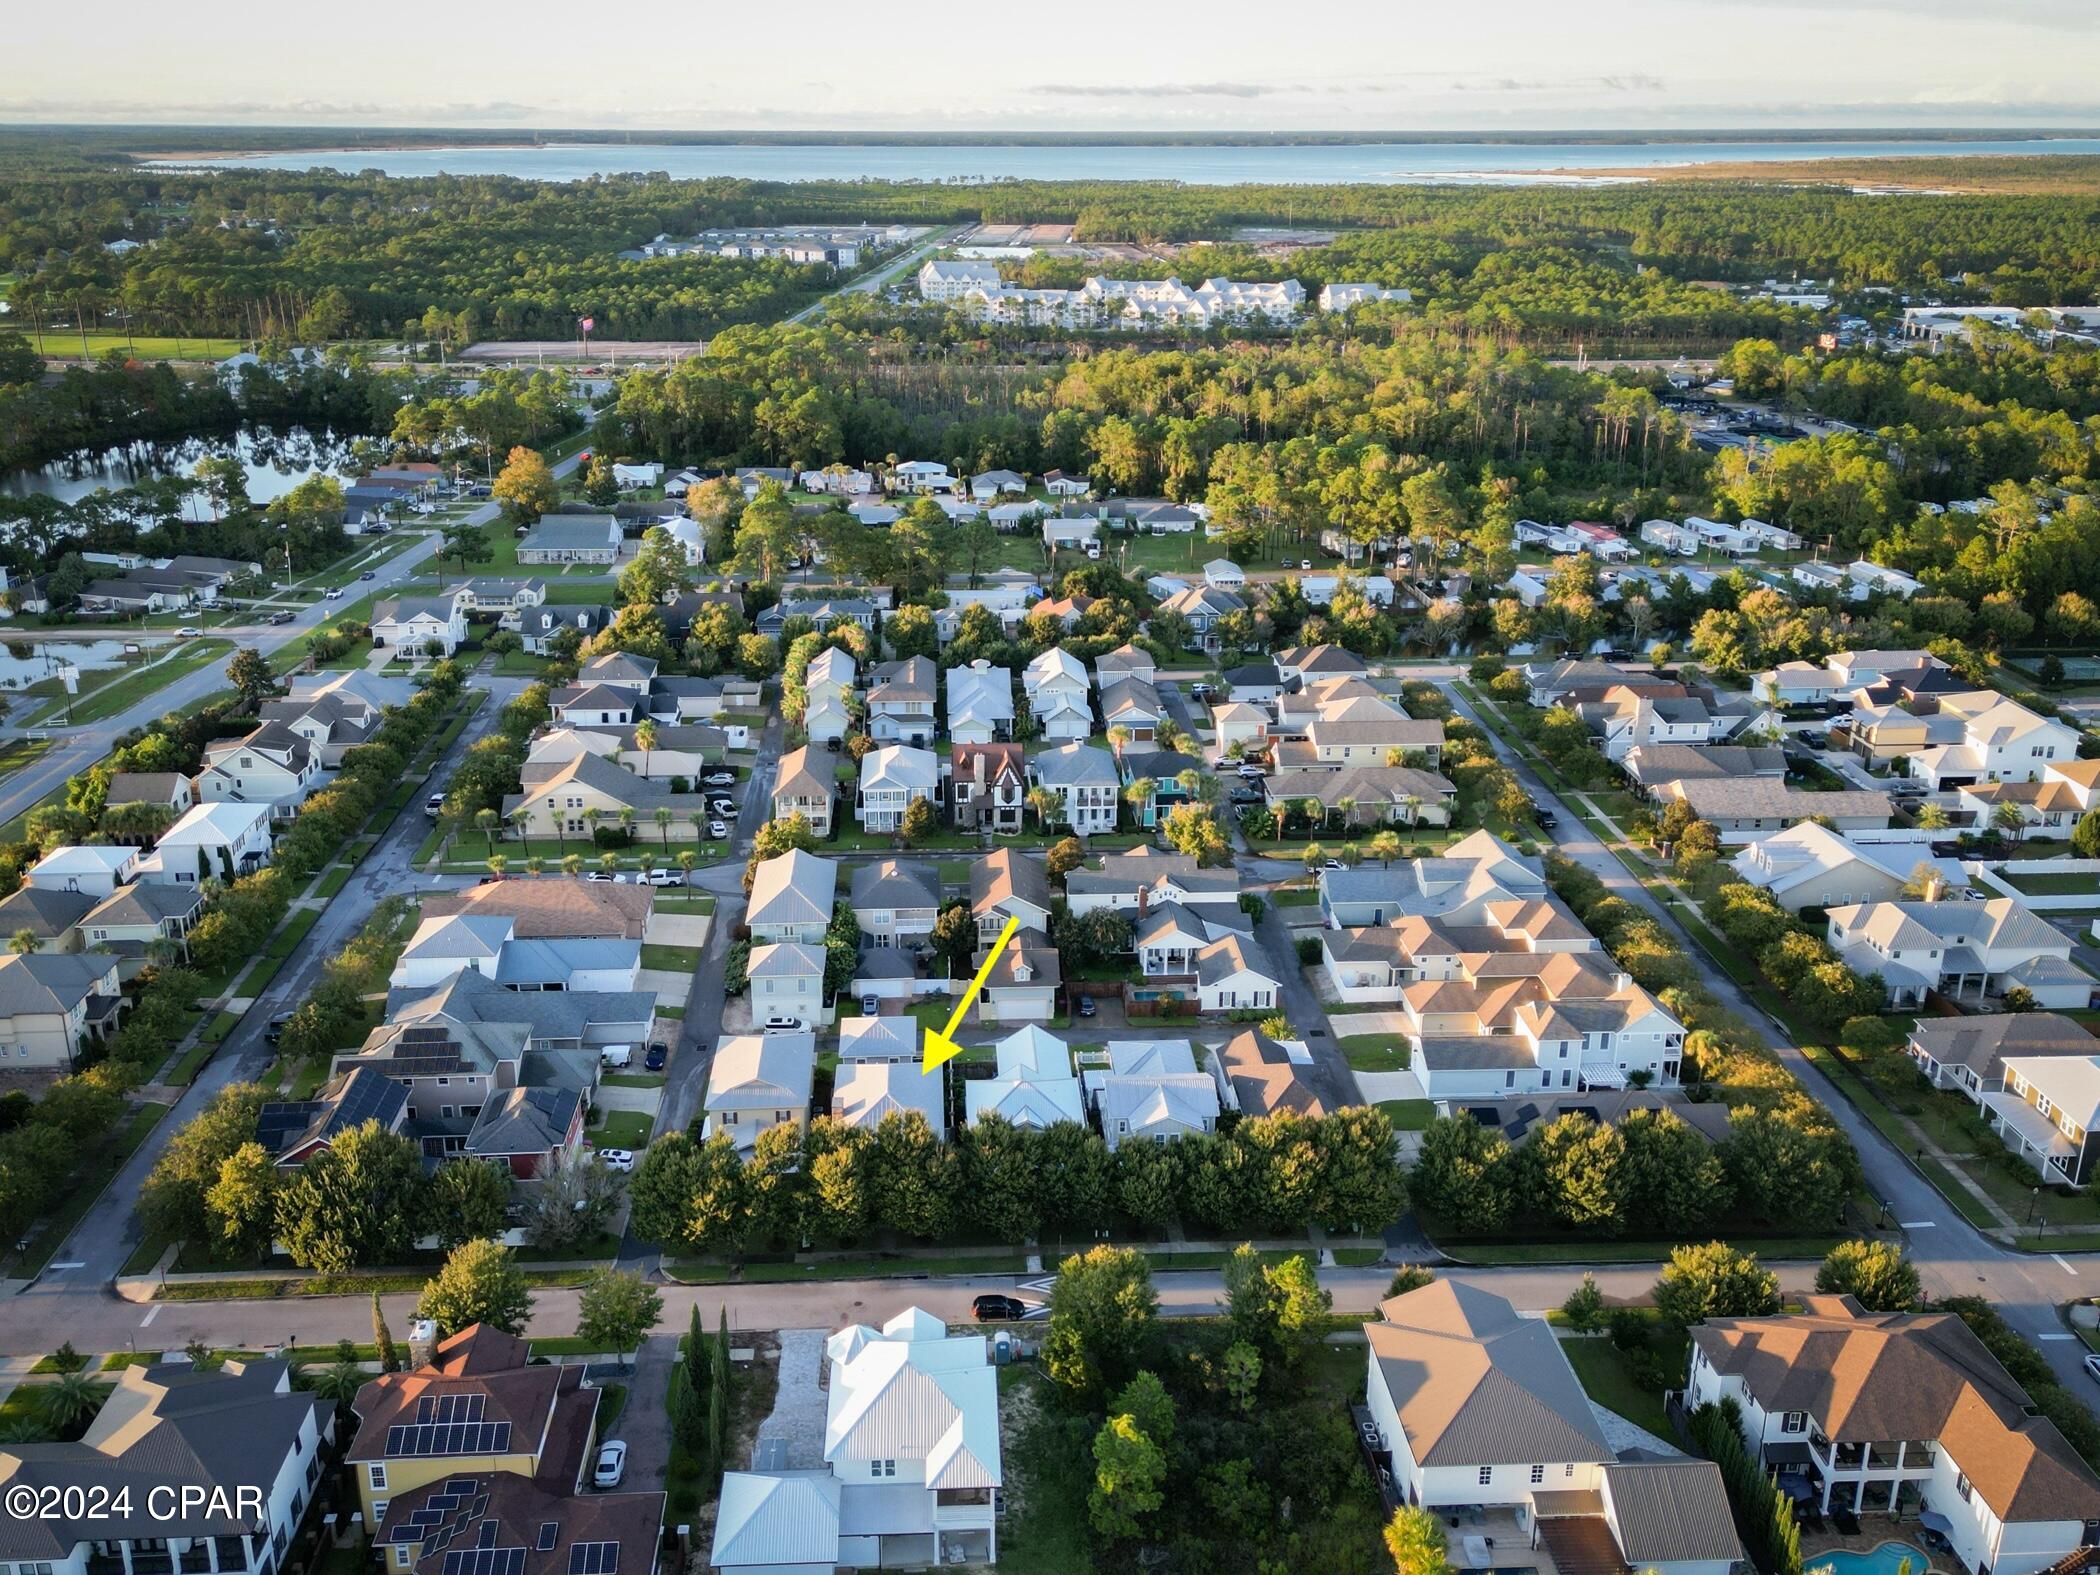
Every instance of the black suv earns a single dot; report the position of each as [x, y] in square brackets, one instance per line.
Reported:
[998, 1309]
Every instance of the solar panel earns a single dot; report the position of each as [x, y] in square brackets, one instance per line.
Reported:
[486, 1561]
[594, 1558]
[450, 1408]
[487, 1539]
[411, 1439]
[549, 1530]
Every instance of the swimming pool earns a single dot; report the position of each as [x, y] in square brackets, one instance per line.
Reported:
[1884, 1560]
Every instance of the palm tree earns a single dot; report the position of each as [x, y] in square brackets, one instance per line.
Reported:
[1345, 806]
[23, 942]
[663, 818]
[1118, 736]
[1932, 817]
[498, 863]
[1315, 814]
[70, 1400]
[608, 862]
[535, 864]
[2010, 819]
[486, 819]
[521, 822]
[572, 864]
[591, 817]
[1314, 855]
[688, 861]
[1385, 847]
[1045, 803]
[699, 819]
[627, 821]
[1137, 795]
[645, 740]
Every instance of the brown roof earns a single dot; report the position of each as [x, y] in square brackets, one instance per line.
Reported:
[1867, 1377]
[1004, 875]
[1984, 1042]
[478, 1362]
[553, 907]
[1265, 1077]
[998, 760]
[501, 1510]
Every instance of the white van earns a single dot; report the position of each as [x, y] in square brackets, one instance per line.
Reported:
[613, 1056]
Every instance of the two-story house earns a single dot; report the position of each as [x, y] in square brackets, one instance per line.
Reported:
[900, 702]
[1865, 1411]
[802, 785]
[1962, 949]
[1968, 1053]
[416, 623]
[758, 1081]
[272, 765]
[53, 1005]
[791, 899]
[1059, 698]
[911, 1468]
[221, 842]
[786, 981]
[827, 710]
[1006, 885]
[894, 902]
[1203, 606]
[1086, 783]
[2048, 1113]
[987, 787]
[980, 703]
[891, 779]
[1152, 1090]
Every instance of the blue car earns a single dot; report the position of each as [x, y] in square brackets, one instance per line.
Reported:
[654, 1060]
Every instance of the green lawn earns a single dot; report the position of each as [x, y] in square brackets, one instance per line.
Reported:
[1408, 1115]
[1296, 897]
[19, 752]
[1375, 1052]
[61, 342]
[622, 1129]
[128, 689]
[97, 1169]
[1609, 1379]
[2053, 885]
[671, 959]
[876, 1266]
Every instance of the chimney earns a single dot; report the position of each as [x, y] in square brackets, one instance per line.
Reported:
[422, 1343]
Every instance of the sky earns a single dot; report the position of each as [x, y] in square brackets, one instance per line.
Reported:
[1064, 65]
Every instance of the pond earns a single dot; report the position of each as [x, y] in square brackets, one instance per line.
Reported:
[24, 661]
[276, 461]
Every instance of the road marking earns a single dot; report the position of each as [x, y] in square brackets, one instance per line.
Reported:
[1047, 1283]
[2059, 1337]
[152, 1313]
[1917, 1224]
[2059, 1257]
[56, 1268]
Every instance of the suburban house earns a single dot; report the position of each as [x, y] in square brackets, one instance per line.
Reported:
[990, 484]
[1145, 877]
[489, 943]
[1330, 724]
[1972, 949]
[93, 871]
[169, 790]
[1866, 1409]
[523, 1521]
[1059, 698]
[1034, 1086]
[663, 754]
[909, 1471]
[542, 627]
[1008, 885]
[1073, 533]
[791, 899]
[413, 623]
[759, 1081]
[52, 917]
[1132, 704]
[1303, 664]
[1810, 866]
[894, 1039]
[1229, 978]
[333, 724]
[273, 765]
[1151, 1090]
[802, 785]
[1360, 796]
[189, 1436]
[1125, 661]
[130, 919]
[507, 598]
[1240, 723]
[572, 798]
[827, 712]
[891, 778]
[1023, 984]
[980, 703]
[1968, 1054]
[1253, 683]
[1456, 886]
[1156, 780]
[1259, 1076]
[864, 1091]
[55, 1004]
[988, 787]
[787, 986]
[210, 841]
[900, 702]
[894, 902]
[2048, 1113]
[1742, 809]
[1060, 485]
[1203, 605]
[1651, 765]
[572, 538]
[1086, 782]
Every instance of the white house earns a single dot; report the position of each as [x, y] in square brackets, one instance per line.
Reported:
[1857, 1406]
[758, 1081]
[1059, 698]
[943, 279]
[1034, 1087]
[787, 986]
[91, 871]
[980, 703]
[890, 779]
[900, 702]
[1085, 780]
[1960, 949]
[413, 623]
[1152, 1090]
[220, 841]
[1810, 866]
[1341, 297]
[791, 898]
[828, 685]
[272, 765]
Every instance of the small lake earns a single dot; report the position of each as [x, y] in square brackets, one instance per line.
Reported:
[276, 462]
[1201, 164]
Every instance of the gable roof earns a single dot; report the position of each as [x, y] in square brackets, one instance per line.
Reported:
[892, 883]
[1004, 876]
[795, 888]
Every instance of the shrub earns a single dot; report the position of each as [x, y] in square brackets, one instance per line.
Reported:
[610, 839]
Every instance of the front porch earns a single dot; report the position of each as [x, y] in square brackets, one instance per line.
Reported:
[2033, 1137]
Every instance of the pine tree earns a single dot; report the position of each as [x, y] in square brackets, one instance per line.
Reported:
[383, 1339]
[718, 1393]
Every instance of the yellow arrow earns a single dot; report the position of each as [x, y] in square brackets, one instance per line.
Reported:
[941, 1047]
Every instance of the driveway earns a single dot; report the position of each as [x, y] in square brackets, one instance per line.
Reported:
[646, 1423]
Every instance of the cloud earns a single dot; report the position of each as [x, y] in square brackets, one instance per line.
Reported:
[1170, 90]
[2075, 15]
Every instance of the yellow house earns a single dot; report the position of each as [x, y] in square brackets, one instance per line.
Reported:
[476, 1406]
[560, 795]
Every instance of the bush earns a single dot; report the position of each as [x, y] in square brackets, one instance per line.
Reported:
[610, 839]
[1629, 1329]
[1308, 951]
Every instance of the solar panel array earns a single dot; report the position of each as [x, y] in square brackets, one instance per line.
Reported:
[592, 1558]
[486, 1561]
[549, 1530]
[426, 1523]
[411, 1439]
[451, 1408]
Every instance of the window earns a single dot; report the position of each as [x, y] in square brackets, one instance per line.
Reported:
[1538, 1475]
[1794, 1422]
[1961, 1486]
[378, 1510]
[378, 1476]
[882, 1468]
[404, 1556]
[1487, 1475]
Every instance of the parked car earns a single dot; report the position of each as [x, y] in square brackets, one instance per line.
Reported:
[719, 830]
[1546, 818]
[779, 1023]
[189, 631]
[2092, 1368]
[1085, 1006]
[616, 1158]
[613, 1057]
[434, 805]
[871, 1006]
[662, 877]
[612, 1464]
[281, 617]
[606, 875]
[656, 1058]
[1305, 565]
[992, 1308]
[275, 1030]
[719, 779]
[368, 575]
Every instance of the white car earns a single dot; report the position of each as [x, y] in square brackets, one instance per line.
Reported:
[719, 779]
[612, 1464]
[667, 877]
[336, 594]
[782, 1025]
[719, 830]
[188, 631]
[616, 1158]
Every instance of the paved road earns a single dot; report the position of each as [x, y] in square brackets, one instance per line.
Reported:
[869, 283]
[106, 1235]
[101, 1321]
[1953, 1257]
[82, 747]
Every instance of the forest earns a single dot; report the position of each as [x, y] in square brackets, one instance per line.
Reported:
[317, 255]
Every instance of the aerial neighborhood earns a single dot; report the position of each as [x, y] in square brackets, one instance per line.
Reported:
[724, 863]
